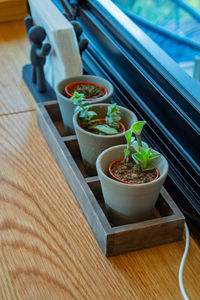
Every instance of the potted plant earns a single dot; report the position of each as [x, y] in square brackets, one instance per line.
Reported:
[66, 104]
[98, 127]
[131, 177]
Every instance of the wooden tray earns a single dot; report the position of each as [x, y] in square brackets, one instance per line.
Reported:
[166, 225]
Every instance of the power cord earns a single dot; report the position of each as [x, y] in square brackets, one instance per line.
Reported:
[180, 277]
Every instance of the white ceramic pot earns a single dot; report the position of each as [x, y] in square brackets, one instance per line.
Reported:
[91, 144]
[128, 203]
[66, 104]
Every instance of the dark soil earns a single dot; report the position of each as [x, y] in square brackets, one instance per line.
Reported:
[132, 175]
[89, 91]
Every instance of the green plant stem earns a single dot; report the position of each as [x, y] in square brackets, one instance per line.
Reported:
[138, 138]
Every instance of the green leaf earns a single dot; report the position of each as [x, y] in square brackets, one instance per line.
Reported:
[138, 157]
[106, 129]
[93, 122]
[82, 114]
[145, 151]
[137, 162]
[113, 114]
[149, 167]
[113, 109]
[137, 165]
[126, 152]
[154, 155]
[86, 102]
[137, 147]
[78, 108]
[91, 114]
[128, 135]
[137, 127]
[144, 157]
[77, 96]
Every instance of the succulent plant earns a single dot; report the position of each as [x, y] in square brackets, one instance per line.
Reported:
[89, 91]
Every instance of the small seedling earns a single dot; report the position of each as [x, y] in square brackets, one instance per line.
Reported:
[137, 129]
[112, 119]
[83, 108]
[110, 127]
[143, 159]
[138, 151]
[113, 116]
[129, 149]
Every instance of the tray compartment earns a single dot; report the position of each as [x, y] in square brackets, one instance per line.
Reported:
[72, 144]
[166, 224]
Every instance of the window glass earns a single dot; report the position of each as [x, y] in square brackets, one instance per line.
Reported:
[174, 25]
[194, 3]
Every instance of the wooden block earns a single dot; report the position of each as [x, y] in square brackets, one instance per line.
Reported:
[64, 60]
[166, 224]
[11, 10]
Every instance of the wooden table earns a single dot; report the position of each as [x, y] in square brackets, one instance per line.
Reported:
[47, 250]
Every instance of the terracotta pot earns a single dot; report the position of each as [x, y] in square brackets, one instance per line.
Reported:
[111, 165]
[71, 85]
[67, 106]
[91, 144]
[128, 203]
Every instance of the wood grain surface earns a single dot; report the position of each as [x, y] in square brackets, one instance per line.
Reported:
[12, 10]
[14, 53]
[47, 250]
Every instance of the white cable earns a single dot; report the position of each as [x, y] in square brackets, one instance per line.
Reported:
[180, 277]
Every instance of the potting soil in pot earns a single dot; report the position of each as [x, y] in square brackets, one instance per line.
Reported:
[89, 91]
[131, 174]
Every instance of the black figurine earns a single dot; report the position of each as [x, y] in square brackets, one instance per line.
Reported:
[83, 43]
[39, 51]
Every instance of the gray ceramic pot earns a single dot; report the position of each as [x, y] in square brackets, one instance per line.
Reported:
[128, 203]
[66, 105]
[91, 145]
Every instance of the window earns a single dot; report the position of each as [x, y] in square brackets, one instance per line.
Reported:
[171, 24]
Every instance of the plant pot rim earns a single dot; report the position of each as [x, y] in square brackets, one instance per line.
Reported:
[88, 78]
[75, 122]
[74, 83]
[119, 180]
[98, 166]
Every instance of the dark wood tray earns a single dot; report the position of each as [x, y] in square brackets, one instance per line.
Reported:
[166, 225]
